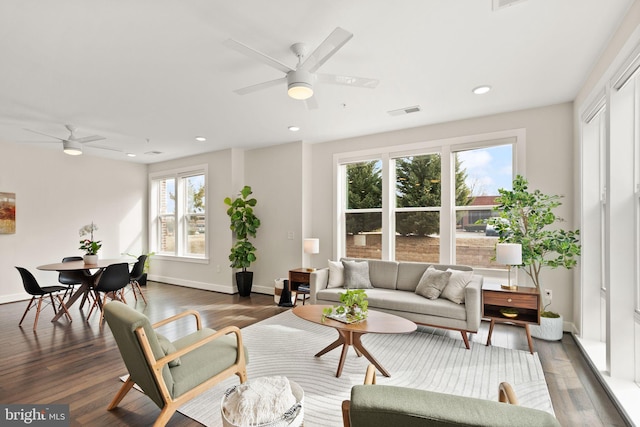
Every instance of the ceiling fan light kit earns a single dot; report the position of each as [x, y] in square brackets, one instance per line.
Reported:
[71, 148]
[300, 84]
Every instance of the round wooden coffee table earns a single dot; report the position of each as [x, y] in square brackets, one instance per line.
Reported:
[350, 334]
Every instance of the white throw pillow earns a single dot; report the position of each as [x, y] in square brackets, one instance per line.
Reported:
[454, 291]
[336, 274]
[432, 283]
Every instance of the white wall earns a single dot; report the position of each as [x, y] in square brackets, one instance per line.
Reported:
[56, 195]
[549, 153]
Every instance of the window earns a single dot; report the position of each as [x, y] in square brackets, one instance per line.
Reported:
[178, 213]
[425, 202]
[363, 214]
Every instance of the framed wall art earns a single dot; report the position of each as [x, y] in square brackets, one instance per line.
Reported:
[7, 213]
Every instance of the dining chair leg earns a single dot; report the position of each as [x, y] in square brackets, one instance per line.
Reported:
[35, 324]
[136, 287]
[64, 307]
[28, 308]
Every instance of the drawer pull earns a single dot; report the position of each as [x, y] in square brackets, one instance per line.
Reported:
[509, 300]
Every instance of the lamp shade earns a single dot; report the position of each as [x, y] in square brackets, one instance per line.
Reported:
[509, 253]
[311, 246]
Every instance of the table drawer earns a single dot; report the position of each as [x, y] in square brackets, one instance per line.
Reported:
[505, 299]
[297, 277]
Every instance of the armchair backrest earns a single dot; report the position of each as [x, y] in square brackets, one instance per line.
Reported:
[123, 322]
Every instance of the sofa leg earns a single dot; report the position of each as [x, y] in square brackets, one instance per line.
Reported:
[465, 338]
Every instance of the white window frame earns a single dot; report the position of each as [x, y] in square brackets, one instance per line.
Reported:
[181, 228]
[447, 208]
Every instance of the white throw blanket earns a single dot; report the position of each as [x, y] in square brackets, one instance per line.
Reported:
[258, 401]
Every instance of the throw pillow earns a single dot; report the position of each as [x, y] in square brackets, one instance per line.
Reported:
[168, 348]
[454, 291]
[336, 274]
[432, 283]
[356, 275]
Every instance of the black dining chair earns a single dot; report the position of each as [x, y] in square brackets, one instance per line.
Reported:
[39, 293]
[136, 274]
[111, 282]
[71, 279]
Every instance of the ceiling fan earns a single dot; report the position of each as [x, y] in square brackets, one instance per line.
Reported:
[73, 145]
[301, 80]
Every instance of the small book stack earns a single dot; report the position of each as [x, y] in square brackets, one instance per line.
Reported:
[303, 289]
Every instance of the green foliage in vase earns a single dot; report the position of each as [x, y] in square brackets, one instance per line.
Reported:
[244, 224]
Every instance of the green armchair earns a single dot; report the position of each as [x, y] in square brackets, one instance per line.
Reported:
[379, 405]
[171, 373]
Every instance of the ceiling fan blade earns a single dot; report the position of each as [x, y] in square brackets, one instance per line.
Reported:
[311, 103]
[252, 53]
[260, 86]
[89, 139]
[45, 134]
[104, 148]
[326, 49]
[348, 80]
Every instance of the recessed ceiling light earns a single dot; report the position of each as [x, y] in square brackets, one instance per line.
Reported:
[294, 128]
[131, 155]
[201, 138]
[481, 90]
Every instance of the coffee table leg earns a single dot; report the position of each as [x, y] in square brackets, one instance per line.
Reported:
[335, 344]
[357, 345]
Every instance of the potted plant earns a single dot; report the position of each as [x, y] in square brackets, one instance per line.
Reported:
[244, 224]
[353, 309]
[525, 218]
[90, 246]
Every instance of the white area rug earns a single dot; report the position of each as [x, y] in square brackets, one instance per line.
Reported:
[285, 345]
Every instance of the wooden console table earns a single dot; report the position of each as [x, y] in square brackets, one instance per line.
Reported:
[524, 299]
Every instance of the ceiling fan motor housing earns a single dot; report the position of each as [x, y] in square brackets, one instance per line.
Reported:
[300, 84]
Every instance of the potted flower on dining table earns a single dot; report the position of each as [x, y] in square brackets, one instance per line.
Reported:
[90, 246]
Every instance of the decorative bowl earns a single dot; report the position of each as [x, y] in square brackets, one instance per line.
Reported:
[510, 313]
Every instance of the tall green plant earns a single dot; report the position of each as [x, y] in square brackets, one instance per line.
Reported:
[244, 224]
[524, 218]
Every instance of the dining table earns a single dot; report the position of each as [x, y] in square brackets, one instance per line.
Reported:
[88, 280]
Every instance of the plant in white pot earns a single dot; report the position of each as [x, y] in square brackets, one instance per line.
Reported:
[244, 223]
[526, 218]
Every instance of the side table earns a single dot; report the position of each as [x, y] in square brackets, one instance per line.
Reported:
[298, 277]
[524, 299]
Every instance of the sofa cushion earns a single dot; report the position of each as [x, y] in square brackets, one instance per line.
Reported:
[432, 283]
[383, 274]
[356, 275]
[336, 274]
[409, 274]
[454, 291]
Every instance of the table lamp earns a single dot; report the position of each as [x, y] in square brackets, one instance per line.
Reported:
[509, 254]
[311, 246]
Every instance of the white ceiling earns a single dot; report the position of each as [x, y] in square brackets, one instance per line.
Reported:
[157, 70]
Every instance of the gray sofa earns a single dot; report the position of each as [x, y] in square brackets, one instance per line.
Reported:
[394, 291]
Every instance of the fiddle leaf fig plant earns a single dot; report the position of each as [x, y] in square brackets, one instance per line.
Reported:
[244, 224]
[526, 218]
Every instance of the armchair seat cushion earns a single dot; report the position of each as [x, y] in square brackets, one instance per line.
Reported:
[210, 359]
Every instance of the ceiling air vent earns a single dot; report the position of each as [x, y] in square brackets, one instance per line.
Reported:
[153, 153]
[405, 110]
[501, 4]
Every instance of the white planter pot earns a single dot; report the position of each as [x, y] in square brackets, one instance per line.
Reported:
[91, 259]
[550, 329]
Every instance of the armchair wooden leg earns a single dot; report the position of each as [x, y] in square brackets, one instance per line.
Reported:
[346, 405]
[121, 393]
[165, 415]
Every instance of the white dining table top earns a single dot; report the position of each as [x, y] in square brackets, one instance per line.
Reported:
[80, 265]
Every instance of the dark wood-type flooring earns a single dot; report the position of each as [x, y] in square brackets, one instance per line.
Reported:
[79, 364]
